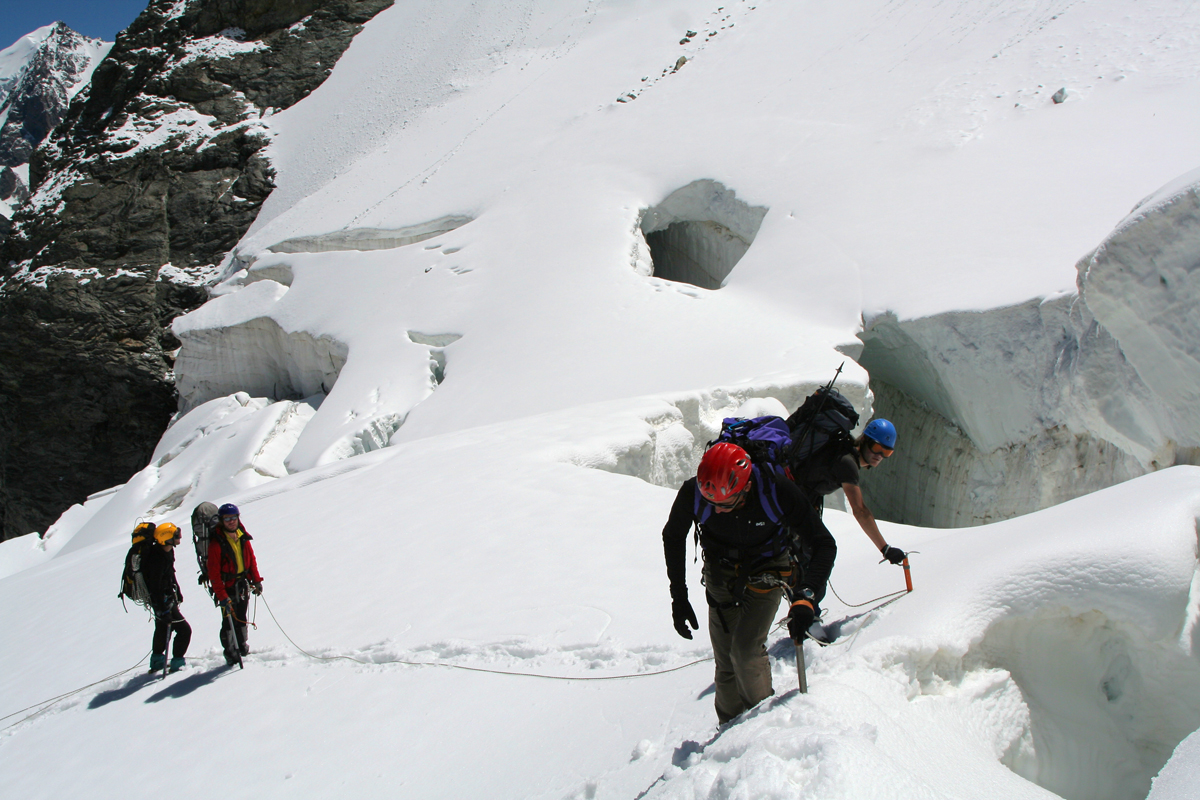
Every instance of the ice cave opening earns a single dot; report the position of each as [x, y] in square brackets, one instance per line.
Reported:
[699, 233]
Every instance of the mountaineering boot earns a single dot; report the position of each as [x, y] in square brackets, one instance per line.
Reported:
[176, 664]
[157, 661]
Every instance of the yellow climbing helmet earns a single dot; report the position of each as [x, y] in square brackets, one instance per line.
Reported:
[167, 533]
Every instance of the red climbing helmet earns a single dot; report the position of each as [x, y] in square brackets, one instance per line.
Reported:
[724, 472]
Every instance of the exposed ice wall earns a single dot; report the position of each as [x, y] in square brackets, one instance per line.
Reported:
[1142, 285]
[258, 357]
[1007, 411]
[370, 238]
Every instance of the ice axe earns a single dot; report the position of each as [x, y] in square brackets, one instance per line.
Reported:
[800, 669]
[229, 634]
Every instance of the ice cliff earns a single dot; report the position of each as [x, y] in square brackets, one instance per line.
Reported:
[1015, 409]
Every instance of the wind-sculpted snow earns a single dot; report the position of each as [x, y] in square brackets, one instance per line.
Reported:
[962, 689]
[1081, 685]
[1106, 704]
[1177, 781]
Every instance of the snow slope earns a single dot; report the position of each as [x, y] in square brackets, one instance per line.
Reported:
[454, 407]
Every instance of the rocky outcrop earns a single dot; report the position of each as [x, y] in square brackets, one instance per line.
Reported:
[155, 172]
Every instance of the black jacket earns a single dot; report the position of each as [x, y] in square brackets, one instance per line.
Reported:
[826, 471]
[747, 532]
[158, 570]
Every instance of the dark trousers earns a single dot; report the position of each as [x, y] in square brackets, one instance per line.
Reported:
[234, 629]
[163, 623]
[739, 619]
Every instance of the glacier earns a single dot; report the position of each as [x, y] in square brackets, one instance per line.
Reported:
[449, 385]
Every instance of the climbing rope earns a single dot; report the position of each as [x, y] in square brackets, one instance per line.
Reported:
[893, 595]
[896, 595]
[887, 599]
[45, 704]
[447, 665]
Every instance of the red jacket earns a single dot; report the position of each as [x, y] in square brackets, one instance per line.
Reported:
[222, 566]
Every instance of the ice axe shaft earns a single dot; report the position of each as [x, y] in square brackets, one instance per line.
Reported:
[907, 574]
[801, 675]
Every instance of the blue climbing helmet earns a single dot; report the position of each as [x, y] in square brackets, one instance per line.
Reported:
[881, 431]
[230, 510]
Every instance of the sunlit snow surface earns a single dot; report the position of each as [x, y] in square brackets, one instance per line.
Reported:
[484, 406]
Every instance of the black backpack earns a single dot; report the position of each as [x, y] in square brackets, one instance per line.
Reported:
[825, 418]
[133, 584]
[204, 524]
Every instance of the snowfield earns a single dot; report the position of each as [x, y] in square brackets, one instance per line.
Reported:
[457, 369]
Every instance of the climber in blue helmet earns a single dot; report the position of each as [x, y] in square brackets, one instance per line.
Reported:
[837, 467]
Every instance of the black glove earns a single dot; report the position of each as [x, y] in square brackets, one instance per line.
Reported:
[227, 607]
[800, 619]
[256, 587]
[681, 615]
[893, 554]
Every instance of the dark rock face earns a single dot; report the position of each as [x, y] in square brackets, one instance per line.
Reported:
[153, 175]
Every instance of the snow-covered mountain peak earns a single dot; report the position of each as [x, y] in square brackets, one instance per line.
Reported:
[14, 57]
[39, 75]
[52, 51]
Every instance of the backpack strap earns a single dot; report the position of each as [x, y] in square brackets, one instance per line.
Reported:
[768, 494]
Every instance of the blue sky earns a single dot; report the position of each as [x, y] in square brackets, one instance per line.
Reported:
[100, 19]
